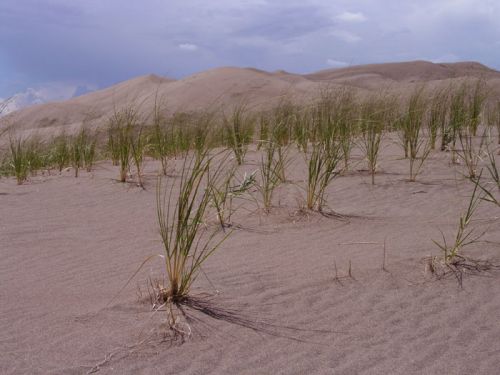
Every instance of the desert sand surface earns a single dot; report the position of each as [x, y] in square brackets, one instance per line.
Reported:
[69, 245]
[219, 89]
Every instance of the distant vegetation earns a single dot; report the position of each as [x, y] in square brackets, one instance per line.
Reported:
[325, 131]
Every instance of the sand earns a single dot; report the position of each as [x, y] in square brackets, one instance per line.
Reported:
[221, 89]
[69, 245]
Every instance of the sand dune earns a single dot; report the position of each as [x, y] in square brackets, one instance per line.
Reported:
[229, 86]
[69, 245]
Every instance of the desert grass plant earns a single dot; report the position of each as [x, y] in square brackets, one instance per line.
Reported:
[372, 117]
[19, 161]
[270, 169]
[121, 128]
[471, 151]
[180, 217]
[26, 156]
[302, 128]
[179, 125]
[340, 107]
[493, 116]
[453, 260]
[238, 131]
[161, 139]
[76, 145]
[264, 129]
[417, 146]
[322, 169]
[113, 148]
[438, 115]
[457, 119]
[60, 152]
[138, 147]
[491, 166]
[476, 103]
[281, 135]
[81, 149]
[89, 149]
[283, 117]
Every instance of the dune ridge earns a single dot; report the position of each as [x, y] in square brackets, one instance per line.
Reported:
[228, 86]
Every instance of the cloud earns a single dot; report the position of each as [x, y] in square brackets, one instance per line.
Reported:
[351, 17]
[188, 47]
[346, 36]
[336, 63]
[83, 42]
[446, 58]
[20, 100]
[32, 96]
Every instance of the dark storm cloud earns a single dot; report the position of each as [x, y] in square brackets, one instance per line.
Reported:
[59, 44]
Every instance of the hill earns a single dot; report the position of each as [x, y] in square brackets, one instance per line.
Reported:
[228, 86]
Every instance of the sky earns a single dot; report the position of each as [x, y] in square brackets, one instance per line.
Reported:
[56, 49]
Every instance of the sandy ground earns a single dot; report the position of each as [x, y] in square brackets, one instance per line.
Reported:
[69, 245]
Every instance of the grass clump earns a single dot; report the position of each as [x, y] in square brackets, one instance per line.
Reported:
[180, 217]
[327, 147]
[453, 261]
[26, 156]
[322, 169]
[374, 112]
[122, 125]
[19, 162]
[416, 145]
[81, 150]
[88, 146]
[60, 152]
[160, 140]
[270, 169]
[238, 132]
[438, 116]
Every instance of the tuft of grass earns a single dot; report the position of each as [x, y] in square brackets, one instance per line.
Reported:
[89, 142]
[458, 119]
[302, 129]
[470, 152]
[464, 235]
[322, 169]
[493, 116]
[476, 103]
[491, 166]
[238, 132]
[76, 152]
[270, 167]
[122, 124]
[25, 156]
[438, 116]
[60, 152]
[416, 146]
[180, 217]
[138, 146]
[453, 261]
[264, 132]
[373, 115]
[19, 159]
[200, 133]
[161, 140]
